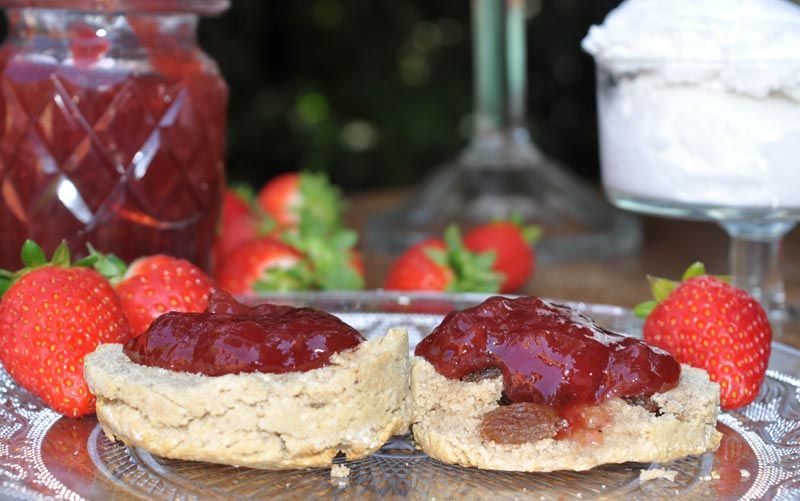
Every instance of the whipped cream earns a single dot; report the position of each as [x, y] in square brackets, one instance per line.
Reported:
[699, 102]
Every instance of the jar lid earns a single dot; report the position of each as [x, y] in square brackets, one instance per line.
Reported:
[205, 7]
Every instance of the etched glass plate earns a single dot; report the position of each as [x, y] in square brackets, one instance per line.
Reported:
[45, 456]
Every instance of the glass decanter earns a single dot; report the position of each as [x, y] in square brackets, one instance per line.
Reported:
[501, 172]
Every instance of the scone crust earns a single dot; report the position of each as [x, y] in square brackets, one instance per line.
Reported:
[269, 421]
[447, 414]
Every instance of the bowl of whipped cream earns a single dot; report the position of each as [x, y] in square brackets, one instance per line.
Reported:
[699, 107]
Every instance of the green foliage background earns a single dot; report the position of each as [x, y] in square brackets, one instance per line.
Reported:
[378, 92]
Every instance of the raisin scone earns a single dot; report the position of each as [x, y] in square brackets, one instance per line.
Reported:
[528, 385]
[448, 417]
[291, 411]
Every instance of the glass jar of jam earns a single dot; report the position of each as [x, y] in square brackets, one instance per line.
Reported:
[112, 125]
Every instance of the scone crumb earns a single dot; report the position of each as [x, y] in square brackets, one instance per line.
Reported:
[655, 473]
[715, 475]
[339, 471]
[744, 473]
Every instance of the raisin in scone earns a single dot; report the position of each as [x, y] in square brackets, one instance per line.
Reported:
[255, 396]
[527, 385]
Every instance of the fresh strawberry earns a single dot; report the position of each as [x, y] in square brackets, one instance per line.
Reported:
[280, 198]
[241, 220]
[238, 224]
[51, 316]
[308, 211]
[443, 265]
[264, 265]
[302, 199]
[708, 323]
[511, 244]
[154, 285]
[416, 270]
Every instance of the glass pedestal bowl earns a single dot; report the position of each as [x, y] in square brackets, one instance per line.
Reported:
[713, 140]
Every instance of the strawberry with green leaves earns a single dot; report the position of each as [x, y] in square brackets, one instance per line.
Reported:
[51, 315]
[154, 285]
[706, 322]
[299, 261]
[417, 270]
[307, 211]
[512, 245]
[302, 198]
[330, 257]
[264, 265]
[444, 266]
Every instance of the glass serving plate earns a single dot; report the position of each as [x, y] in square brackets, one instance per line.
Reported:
[45, 456]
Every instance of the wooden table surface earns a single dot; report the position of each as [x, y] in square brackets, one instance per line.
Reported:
[669, 246]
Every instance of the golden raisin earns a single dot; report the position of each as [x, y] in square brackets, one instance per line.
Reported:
[520, 423]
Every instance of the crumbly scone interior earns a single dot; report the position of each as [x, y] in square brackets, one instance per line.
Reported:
[291, 420]
[447, 415]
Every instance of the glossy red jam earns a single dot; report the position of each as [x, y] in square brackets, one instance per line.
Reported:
[231, 338]
[548, 354]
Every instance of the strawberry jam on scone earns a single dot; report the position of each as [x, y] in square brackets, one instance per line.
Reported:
[549, 355]
[232, 338]
[269, 386]
[529, 385]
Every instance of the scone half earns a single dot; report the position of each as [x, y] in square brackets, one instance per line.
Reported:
[447, 416]
[271, 421]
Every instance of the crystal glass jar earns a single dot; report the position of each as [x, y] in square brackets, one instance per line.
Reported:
[112, 125]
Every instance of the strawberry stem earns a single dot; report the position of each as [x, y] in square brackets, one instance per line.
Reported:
[6, 279]
[61, 255]
[108, 265]
[661, 288]
[328, 256]
[531, 234]
[643, 310]
[473, 271]
[32, 254]
[515, 219]
[321, 209]
[245, 192]
[284, 279]
[438, 256]
[33, 257]
[696, 269]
